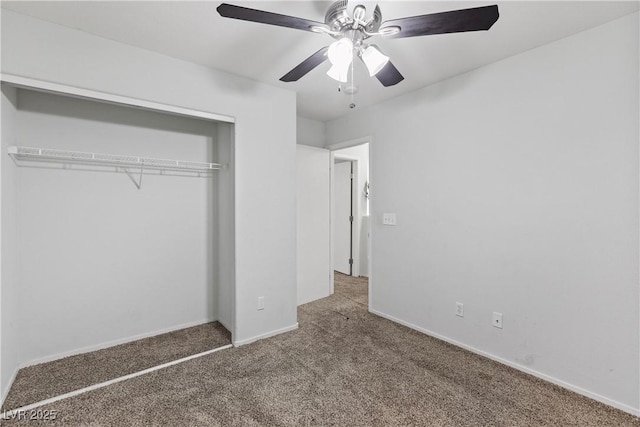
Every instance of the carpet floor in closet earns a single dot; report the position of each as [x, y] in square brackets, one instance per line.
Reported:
[46, 380]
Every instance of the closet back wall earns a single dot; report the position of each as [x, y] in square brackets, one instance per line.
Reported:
[101, 261]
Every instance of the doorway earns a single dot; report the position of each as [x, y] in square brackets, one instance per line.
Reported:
[350, 209]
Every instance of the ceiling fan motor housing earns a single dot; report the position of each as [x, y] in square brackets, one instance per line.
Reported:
[340, 22]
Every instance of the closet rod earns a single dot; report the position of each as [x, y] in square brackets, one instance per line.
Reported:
[30, 153]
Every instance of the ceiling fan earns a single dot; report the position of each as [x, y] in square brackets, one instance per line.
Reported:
[353, 31]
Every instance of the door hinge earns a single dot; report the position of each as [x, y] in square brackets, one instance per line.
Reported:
[351, 218]
[350, 261]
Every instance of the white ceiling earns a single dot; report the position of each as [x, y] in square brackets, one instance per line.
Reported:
[194, 31]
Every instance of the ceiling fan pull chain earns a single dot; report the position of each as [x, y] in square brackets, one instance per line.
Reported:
[353, 83]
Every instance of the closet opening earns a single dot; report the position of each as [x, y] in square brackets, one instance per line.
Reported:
[117, 236]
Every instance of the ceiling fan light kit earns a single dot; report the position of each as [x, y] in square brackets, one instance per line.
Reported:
[351, 32]
[340, 55]
[373, 59]
[339, 74]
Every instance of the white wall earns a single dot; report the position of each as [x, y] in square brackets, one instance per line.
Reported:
[516, 191]
[106, 260]
[265, 256]
[313, 227]
[11, 297]
[310, 132]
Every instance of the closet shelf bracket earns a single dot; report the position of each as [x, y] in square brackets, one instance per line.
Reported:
[138, 183]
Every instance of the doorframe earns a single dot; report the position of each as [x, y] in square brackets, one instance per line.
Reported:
[333, 148]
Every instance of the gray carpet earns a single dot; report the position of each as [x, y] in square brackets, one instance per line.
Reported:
[39, 382]
[342, 367]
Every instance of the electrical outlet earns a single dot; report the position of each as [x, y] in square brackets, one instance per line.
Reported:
[260, 303]
[460, 309]
[389, 219]
[497, 320]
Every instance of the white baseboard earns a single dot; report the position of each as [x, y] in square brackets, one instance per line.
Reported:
[266, 335]
[626, 408]
[5, 392]
[315, 297]
[112, 343]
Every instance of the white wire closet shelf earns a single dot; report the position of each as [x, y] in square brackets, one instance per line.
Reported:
[49, 154]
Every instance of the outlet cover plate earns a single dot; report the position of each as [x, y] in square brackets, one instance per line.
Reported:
[497, 320]
[389, 219]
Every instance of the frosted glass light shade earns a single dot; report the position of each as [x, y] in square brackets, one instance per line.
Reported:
[339, 73]
[340, 55]
[341, 52]
[374, 60]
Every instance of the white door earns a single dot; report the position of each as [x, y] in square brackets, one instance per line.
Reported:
[313, 236]
[341, 216]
